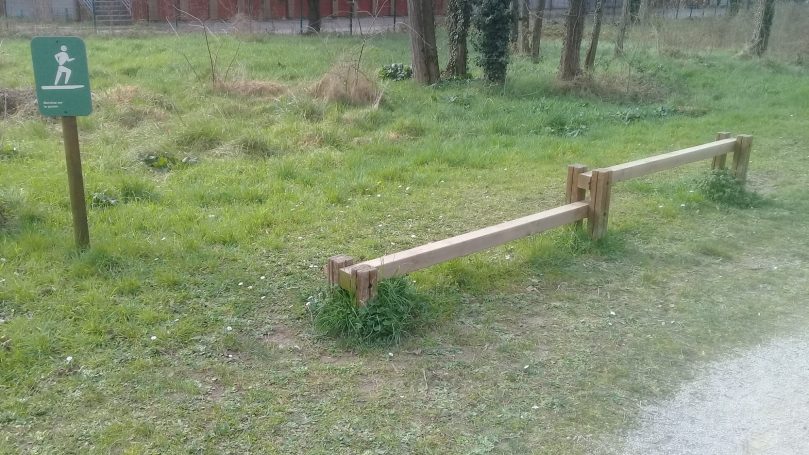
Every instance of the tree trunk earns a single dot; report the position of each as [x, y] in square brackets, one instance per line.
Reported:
[619, 41]
[733, 7]
[643, 12]
[536, 31]
[422, 41]
[590, 60]
[525, 28]
[458, 17]
[515, 22]
[569, 66]
[313, 16]
[761, 37]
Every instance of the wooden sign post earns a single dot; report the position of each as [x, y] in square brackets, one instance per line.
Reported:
[63, 90]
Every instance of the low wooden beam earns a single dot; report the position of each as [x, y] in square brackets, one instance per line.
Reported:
[420, 257]
[645, 166]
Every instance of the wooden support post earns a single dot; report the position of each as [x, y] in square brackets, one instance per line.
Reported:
[741, 157]
[597, 216]
[333, 267]
[572, 191]
[719, 160]
[75, 182]
[364, 279]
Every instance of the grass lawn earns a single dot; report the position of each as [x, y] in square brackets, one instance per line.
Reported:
[187, 325]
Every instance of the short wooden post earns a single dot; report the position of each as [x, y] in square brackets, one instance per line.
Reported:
[741, 157]
[572, 191]
[364, 279]
[600, 189]
[719, 160]
[333, 267]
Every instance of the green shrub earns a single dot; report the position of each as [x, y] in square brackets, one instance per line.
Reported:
[721, 186]
[396, 311]
[396, 72]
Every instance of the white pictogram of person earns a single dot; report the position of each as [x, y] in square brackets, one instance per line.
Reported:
[61, 59]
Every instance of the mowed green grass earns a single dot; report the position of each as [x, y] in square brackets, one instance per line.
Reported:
[187, 324]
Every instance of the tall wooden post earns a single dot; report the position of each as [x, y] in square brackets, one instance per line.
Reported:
[719, 160]
[597, 216]
[741, 157]
[75, 181]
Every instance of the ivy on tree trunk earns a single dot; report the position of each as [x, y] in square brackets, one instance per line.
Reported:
[458, 17]
[491, 38]
[761, 36]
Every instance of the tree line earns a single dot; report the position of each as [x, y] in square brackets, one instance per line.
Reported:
[499, 27]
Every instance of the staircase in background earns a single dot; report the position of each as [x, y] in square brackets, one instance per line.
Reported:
[109, 12]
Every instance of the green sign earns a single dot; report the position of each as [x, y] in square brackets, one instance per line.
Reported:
[61, 75]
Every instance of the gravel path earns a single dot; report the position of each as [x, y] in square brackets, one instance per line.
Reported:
[755, 403]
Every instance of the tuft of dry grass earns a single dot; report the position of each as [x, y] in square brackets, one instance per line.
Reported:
[123, 94]
[251, 88]
[345, 83]
[613, 87]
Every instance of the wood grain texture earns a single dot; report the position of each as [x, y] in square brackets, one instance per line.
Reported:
[420, 257]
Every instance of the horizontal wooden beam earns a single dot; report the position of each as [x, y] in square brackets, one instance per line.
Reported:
[420, 257]
[645, 166]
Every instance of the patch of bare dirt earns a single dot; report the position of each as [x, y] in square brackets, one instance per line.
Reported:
[282, 338]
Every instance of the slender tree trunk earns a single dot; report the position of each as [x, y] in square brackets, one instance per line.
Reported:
[313, 16]
[619, 41]
[525, 28]
[590, 60]
[643, 12]
[569, 66]
[422, 41]
[536, 30]
[515, 22]
[733, 7]
[458, 17]
[761, 36]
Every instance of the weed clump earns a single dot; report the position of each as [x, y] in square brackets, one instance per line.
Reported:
[396, 311]
[722, 187]
[396, 72]
[347, 84]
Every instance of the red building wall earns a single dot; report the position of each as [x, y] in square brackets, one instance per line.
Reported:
[275, 9]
